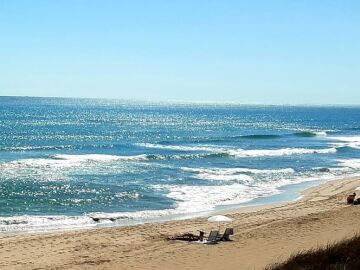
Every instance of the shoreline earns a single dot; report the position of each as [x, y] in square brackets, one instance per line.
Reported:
[263, 235]
[288, 193]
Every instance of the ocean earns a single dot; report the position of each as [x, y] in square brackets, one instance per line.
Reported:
[83, 163]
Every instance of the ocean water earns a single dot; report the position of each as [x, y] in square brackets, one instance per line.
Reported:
[77, 163]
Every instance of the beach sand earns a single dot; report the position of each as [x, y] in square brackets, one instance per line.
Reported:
[263, 235]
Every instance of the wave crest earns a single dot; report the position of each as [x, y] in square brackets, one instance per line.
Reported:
[185, 148]
[241, 175]
[310, 133]
[350, 141]
[279, 152]
[259, 136]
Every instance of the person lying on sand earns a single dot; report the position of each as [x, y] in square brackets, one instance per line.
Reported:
[190, 237]
[351, 198]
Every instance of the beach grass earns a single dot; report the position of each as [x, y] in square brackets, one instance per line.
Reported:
[340, 256]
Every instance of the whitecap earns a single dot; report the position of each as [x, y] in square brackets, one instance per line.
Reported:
[57, 167]
[97, 157]
[233, 174]
[349, 163]
[207, 148]
[70, 160]
[349, 141]
[242, 152]
[226, 171]
[204, 198]
[43, 223]
[279, 152]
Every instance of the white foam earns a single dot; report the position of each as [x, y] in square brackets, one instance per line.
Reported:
[138, 215]
[232, 174]
[320, 133]
[72, 160]
[189, 200]
[218, 177]
[350, 163]
[43, 223]
[27, 223]
[347, 138]
[58, 167]
[347, 141]
[203, 198]
[279, 152]
[206, 148]
[127, 195]
[200, 198]
[97, 157]
[227, 171]
[242, 152]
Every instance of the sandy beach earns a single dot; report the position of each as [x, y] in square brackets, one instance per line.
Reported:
[125, 126]
[263, 235]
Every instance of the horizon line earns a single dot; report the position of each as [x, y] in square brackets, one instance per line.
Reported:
[190, 102]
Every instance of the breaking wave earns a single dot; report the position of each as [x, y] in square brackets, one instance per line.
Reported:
[179, 147]
[279, 152]
[349, 141]
[59, 164]
[350, 163]
[63, 161]
[227, 151]
[97, 157]
[242, 175]
[188, 199]
[310, 133]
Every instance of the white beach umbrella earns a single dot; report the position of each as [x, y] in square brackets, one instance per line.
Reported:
[219, 219]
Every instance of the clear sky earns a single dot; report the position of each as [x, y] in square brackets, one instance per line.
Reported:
[297, 52]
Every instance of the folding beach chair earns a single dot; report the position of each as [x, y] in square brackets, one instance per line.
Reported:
[212, 239]
[226, 235]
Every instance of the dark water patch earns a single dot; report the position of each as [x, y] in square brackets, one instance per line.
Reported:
[191, 156]
[344, 149]
[99, 219]
[13, 222]
[217, 155]
[259, 137]
[212, 140]
[166, 142]
[306, 134]
[154, 157]
[352, 128]
[323, 169]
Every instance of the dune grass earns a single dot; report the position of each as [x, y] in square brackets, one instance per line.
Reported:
[344, 255]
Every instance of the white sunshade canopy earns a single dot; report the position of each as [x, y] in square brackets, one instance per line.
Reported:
[219, 218]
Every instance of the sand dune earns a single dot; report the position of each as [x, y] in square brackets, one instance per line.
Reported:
[262, 235]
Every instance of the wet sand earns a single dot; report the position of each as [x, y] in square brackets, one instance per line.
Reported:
[263, 235]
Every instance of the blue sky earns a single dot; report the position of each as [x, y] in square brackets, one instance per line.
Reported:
[273, 52]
